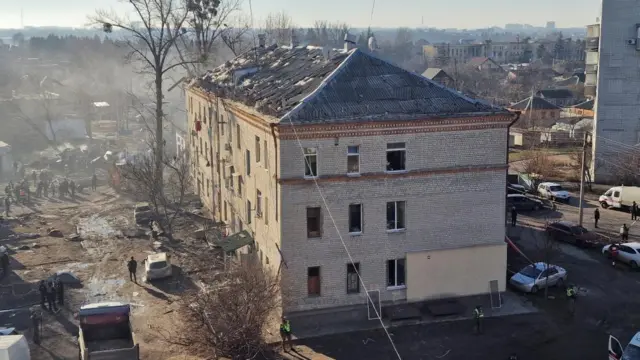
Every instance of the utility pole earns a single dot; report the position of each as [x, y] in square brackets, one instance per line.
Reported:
[583, 169]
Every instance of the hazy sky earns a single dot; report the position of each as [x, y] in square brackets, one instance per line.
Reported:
[357, 13]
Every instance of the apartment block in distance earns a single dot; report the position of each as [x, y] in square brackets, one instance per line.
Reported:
[310, 150]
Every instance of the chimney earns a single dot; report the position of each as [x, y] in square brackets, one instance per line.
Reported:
[349, 41]
[262, 40]
[294, 39]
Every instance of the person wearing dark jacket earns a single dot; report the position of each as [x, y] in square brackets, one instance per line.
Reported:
[132, 265]
[596, 217]
[514, 216]
[4, 261]
[42, 287]
[634, 211]
[36, 322]
[51, 296]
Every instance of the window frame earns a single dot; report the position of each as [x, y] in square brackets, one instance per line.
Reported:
[258, 203]
[319, 219]
[395, 285]
[361, 220]
[247, 160]
[309, 277]
[404, 150]
[355, 267]
[249, 212]
[353, 155]
[258, 154]
[404, 220]
[238, 136]
[307, 164]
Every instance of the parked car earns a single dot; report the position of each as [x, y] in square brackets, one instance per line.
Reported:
[534, 277]
[554, 192]
[628, 253]
[142, 213]
[515, 189]
[157, 266]
[631, 352]
[573, 233]
[523, 203]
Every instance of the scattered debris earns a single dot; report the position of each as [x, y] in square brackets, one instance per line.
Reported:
[74, 237]
[28, 236]
[23, 247]
[54, 233]
[35, 246]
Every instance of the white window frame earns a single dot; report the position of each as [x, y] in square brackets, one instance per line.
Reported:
[395, 205]
[395, 281]
[349, 155]
[361, 220]
[393, 150]
[308, 155]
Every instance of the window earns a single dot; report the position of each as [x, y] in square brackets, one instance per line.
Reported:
[257, 149]
[206, 151]
[396, 157]
[208, 186]
[231, 175]
[238, 135]
[248, 212]
[310, 162]
[239, 186]
[313, 281]
[355, 218]
[266, 260]
[395, 215]
[226, 217]
[221, 124]
[266, 211]
[266, 156]
[395, 273]
[258, 203]
[248, 161]
[353, 284]
[353, 160]
[313, 222]
[200, 146]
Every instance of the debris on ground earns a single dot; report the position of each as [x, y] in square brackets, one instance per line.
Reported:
[23, 247]
[68, 278]
[24, 236]
[54, 233]
[74, 237]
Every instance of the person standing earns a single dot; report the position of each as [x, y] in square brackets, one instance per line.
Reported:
[634, 211]
[51, 296]
[596, 217]
[42, 287]
[7, 206]
[613, 250]
[624, 232]
[285, 333]
[34, 177]
[514, 216]
[132, 265]
[94, 182]
[36, 322]
[478, 315]
[572, 293]
[59, 287]
[4, 261]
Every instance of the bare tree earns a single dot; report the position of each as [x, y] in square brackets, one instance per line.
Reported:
[152, 39]
[277, 28]
[229, 316]
[236, 38]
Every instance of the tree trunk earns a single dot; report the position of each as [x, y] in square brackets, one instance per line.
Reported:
[159, 131]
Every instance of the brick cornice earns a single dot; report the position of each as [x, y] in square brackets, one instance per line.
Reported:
[384, 175]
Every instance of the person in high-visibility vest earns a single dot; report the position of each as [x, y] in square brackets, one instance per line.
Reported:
[285, 333]
[572, 293]
[478, 315]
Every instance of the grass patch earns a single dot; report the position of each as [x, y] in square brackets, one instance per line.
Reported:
[518, 155]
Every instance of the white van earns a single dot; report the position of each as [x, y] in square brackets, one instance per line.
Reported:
[157, 266]
[631, 352]
[620, 197]
[14, 347]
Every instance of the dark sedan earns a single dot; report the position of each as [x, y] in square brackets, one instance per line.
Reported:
[573, 233]
[523, 203]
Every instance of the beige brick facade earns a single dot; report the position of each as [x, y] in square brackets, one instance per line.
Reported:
[453, 189]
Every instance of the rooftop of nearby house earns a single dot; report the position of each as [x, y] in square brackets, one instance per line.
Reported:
[431, 73]
[535, 103]
[587, 105]
[307, 85]
[555, 93]
[477, 61]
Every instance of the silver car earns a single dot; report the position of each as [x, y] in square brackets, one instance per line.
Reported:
[534, 277]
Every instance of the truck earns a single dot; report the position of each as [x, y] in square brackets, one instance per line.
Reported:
[14, 347]
[105, 332]
[620, 197]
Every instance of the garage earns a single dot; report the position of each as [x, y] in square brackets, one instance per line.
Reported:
[455, 272]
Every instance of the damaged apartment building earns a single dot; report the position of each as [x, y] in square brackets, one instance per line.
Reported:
[309, 150]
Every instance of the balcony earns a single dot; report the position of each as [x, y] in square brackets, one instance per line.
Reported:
[592, 43]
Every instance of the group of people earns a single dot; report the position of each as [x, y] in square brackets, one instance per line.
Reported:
[51, 291]
[19, 193]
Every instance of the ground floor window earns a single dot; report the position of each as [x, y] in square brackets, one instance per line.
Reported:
[313, 281]
[396, 272]
[353, 283]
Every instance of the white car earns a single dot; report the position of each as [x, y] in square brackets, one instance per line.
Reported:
[631, 352]
[157, 266]
[628, 253]
[553, 191]
[534, 277]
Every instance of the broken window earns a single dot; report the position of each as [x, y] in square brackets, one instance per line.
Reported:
[310, 162]
[353, 160]
[353, 283]
[396, 157]
[395, 273]
[314, 222]
[225, 212]
[248, 212]
[355, 218]
[313, 281]
[395, 215]
[257, 149]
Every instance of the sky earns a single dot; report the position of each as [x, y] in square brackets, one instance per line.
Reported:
[462, 14]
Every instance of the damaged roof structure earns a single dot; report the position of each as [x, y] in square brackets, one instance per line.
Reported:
[313, 85]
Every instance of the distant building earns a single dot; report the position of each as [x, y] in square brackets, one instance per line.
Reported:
[536, 112]
[485, 64]
[551, 25]
[558, 97]
[440, 76]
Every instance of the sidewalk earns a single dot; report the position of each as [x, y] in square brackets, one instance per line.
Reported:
[322, 323]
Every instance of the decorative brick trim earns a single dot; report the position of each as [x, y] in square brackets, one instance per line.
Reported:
[383, 175]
